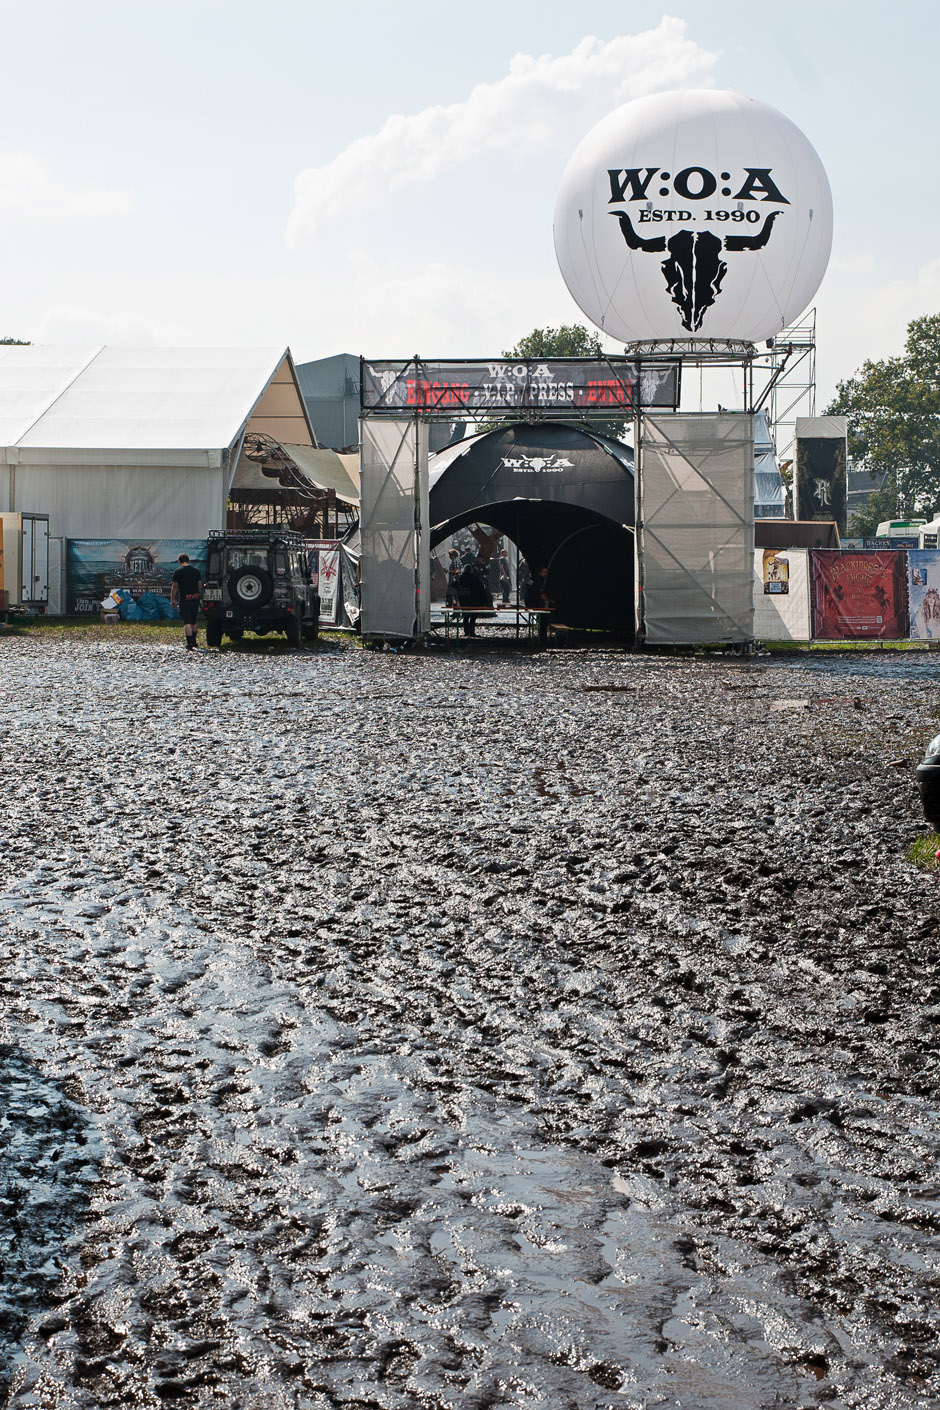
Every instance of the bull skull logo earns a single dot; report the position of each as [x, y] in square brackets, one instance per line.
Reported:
[694, 270]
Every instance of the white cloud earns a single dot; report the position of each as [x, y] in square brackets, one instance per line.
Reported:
[29, 192]
[540, 103]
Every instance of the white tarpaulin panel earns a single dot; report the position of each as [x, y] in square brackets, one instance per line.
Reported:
[94, 501]
[327, 470]
[781, 594]
[695, 537]
[395, 558]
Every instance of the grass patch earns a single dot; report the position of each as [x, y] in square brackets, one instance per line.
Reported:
[922, 852]
[787, 647]
[90, 629]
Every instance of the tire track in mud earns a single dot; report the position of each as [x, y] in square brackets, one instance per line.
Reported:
[563, 1045]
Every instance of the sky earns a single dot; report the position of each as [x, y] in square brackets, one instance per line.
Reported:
[381, 180]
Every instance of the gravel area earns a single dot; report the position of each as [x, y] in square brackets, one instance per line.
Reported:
[554, 1031]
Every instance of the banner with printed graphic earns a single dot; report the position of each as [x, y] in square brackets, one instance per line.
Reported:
[95, 567]
[325, 570]
[546, 385]
[859, 593]
[820, 476]
[923, 593]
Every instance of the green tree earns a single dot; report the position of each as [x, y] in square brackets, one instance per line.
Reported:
[15, 342]
[893, 411]
[569, 340]
[881, 504]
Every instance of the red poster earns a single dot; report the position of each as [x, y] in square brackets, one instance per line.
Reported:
[859, 593]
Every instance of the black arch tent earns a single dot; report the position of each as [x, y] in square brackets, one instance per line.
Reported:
[564, 495]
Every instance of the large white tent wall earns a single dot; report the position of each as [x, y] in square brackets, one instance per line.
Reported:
[123, 442]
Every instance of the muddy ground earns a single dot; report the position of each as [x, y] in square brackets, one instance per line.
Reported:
[551, 1031]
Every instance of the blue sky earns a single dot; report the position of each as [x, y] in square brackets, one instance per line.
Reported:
[381, 179]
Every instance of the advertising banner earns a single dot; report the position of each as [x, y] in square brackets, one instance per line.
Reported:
[923, 593]
[781, 594]
[820, 473]
[545, 385]
[859, 594]
[324, 567]
[95, 567]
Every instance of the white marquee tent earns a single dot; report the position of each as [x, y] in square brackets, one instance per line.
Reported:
[116, 442]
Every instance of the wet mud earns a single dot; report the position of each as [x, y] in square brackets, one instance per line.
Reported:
[548, 1030]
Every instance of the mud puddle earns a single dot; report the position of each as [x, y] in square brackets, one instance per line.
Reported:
[551, 1031]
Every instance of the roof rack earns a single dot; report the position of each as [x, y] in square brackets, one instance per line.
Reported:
[290, 536]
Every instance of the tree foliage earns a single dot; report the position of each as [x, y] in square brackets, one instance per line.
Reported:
[893, 411]
[881, 504]
[569, 340]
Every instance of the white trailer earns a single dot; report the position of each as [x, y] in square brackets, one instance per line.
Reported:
[24, 562]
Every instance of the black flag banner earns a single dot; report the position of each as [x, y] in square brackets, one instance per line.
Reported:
[547, 386]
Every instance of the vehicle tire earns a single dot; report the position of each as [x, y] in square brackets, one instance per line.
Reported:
[213, 632]
[310, 629]
[252, 587]
[292, 631]
[236, 633]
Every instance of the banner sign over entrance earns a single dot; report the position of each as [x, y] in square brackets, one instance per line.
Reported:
[549, 386]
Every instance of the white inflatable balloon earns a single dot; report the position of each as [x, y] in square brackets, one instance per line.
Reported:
[693, 215]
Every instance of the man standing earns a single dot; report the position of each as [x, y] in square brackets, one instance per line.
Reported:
[186, 592]
[505, 578]
[453, 573]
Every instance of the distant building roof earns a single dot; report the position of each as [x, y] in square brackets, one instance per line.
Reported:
[330, 387]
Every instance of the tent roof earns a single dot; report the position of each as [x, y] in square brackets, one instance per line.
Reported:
[104, 398]
[327, 470]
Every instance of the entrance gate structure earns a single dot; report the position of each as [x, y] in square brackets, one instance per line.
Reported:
[398, 399]
[694, 475]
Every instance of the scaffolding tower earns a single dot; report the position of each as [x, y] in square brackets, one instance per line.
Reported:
[793, 385]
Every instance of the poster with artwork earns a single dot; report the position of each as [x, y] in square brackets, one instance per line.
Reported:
[325, 570]
[96, 567]
[775, 572]
[859, 594]
[923, 592]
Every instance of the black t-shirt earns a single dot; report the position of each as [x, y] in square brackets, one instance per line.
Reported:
[188, 579]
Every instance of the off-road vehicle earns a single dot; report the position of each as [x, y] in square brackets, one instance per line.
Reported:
[258, 580]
